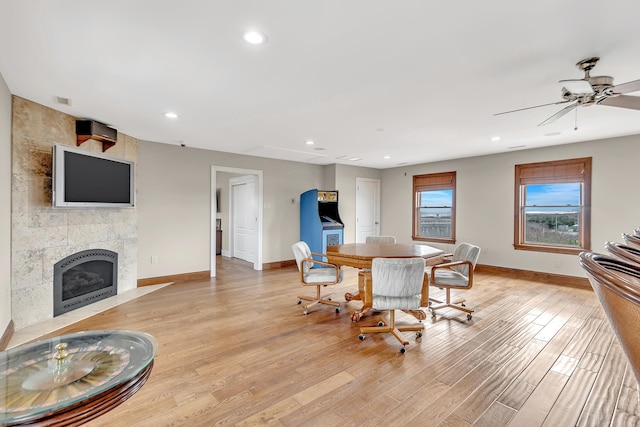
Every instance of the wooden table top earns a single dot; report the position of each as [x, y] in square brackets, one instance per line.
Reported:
[359, 255]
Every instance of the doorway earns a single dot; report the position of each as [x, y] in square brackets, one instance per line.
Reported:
[367, 208]
[257, 176]
[243, 217]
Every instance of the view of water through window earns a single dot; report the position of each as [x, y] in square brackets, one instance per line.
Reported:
[435, 213]
[552, 213]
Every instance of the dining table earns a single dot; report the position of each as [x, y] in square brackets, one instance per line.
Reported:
[361, 255]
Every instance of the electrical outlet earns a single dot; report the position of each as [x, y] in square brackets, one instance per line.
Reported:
[154, 259]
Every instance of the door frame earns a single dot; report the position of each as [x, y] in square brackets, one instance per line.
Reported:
[212, 250]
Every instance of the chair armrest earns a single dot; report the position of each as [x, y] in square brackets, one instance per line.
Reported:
[315, 261]
[448, 265]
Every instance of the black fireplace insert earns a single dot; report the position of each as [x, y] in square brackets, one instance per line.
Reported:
[84, 278]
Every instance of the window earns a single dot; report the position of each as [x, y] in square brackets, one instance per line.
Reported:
[553, 206]
[434, 207]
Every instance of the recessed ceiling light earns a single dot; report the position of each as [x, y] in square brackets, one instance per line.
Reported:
[255, 37]
[171, 115]
[309, 142]
[387, 157]
[495, 138]
[552, 133]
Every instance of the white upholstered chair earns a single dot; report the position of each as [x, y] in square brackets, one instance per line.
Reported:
[455, 274]
[380, 239]
[324, 274]
[397, 284]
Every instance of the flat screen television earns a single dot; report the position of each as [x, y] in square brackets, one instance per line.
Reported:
[86, 179]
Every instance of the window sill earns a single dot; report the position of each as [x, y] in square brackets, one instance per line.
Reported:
[433, 239]
[549, 249]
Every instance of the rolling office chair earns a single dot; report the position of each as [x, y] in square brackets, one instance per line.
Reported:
[396, 284]
[616, 283]
[327, 274]
[455, 274]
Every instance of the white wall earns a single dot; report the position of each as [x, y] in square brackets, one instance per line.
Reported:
[174, 205]
[5, 206]
[485, 205]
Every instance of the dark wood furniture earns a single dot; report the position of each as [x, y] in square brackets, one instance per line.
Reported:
[70, 379]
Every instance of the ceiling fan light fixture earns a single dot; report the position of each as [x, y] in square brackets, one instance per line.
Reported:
[577, 87]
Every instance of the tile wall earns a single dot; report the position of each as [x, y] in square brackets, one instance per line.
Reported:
[42, 235]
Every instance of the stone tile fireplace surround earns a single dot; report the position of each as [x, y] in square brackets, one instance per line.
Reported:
[42, 235]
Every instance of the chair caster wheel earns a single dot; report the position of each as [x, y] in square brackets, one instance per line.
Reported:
[361, 337]
[337, 309]
[418, 334]
[469, 317]
[403, 350]
[304, 312]
[299, 301]
[380, 323]
[462, 304]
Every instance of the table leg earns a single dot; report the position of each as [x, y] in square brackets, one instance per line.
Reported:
[363, 278]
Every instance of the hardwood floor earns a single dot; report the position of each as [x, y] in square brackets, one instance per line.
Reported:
[236, 350]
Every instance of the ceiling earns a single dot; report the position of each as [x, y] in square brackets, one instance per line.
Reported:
[415, 80]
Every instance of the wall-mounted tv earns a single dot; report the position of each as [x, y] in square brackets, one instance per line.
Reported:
[83, 178]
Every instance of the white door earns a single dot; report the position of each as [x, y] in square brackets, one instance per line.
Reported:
[367, 208]
[245, 217]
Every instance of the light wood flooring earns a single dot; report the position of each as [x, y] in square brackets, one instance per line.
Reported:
[237, 350]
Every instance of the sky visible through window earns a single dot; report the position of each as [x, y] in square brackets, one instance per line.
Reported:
[553, 197]
[430, 199]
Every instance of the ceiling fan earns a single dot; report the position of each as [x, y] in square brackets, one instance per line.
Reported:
[591, 90]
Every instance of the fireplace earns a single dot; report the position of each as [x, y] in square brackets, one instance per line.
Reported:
[84, 278]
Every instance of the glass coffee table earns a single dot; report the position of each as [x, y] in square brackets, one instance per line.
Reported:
[73, 378]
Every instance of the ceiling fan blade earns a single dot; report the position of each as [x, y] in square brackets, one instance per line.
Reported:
[628, 87]
[577, 87]
[529, 108]
[559, 114]
[622, 101]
